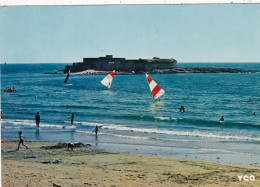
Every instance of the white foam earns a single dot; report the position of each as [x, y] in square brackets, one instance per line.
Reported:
[168, 132]
[87, 132]
[116, 135]
[139, 130]
[90, 124]
[12, 127]
[69, 127]
[19, 122]
[162, 118]
[31, 123]
[178, 133]
[166, 118]
[129, 137]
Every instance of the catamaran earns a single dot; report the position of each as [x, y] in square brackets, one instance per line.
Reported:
[107, 81]
[156, 90]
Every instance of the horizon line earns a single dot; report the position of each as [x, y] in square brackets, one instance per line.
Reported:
[119, 2]
[82, 62]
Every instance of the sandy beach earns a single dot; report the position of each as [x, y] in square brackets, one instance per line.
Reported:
[46, 164]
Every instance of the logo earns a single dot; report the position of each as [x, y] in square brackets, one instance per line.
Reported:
[246, 178]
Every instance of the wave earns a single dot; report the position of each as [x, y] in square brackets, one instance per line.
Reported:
[21, 96]
[151, 118]
[115, 135]
[178, 133]
[86, 132]
[168, 132]
[52, 111]
[183, 121]
[136, 130]
[30, 123]
[59, 92]
[80, 106]
[6, 127]
[90, 123]
[69, 127]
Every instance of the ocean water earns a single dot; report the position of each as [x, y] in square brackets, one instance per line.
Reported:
[128, 118]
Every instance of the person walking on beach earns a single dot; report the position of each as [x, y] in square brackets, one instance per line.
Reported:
[21, 140]
[222, 118]
[37, 119]
[71, 119]
[96, 130]
[182, 109]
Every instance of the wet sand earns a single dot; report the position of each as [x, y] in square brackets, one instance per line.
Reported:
[46, 164]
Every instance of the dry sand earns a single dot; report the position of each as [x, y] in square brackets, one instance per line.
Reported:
[44, 165]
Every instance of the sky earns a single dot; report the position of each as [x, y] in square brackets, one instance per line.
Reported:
[187, 33]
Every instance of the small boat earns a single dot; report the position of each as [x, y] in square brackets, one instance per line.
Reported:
[156, 90]
[10, 89]
[107, 81]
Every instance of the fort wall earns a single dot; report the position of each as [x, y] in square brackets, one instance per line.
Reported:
[108, 63]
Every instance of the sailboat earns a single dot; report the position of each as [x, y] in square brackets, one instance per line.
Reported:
[67, 77]
[107, 81]
[156, 90]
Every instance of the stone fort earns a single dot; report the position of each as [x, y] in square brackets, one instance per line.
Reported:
[109, 63]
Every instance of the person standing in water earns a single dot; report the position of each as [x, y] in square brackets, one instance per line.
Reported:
[71, 119]
[21, 140]
[222, 118]
[96, 130]
[37, 119]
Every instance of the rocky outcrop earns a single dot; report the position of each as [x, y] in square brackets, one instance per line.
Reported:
[103, 65]
[175, 70]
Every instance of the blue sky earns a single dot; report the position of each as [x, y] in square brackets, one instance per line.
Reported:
[188, 33]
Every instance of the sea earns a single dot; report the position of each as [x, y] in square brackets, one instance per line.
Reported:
[128, 118]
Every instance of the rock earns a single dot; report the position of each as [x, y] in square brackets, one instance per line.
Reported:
[56, 185]
[50, 73]
[61, 145]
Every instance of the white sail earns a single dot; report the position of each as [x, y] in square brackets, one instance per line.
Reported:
[156, 90]
[107, 81]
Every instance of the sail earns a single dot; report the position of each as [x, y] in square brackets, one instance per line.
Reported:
[67, 77]
[107, 81]
[156, 90]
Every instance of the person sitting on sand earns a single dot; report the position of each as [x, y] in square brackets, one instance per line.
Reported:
[21, 140]
[222, 118]
[37, 119]
[96, 130]
[182, 109]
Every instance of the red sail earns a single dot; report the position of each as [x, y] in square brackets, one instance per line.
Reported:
[156, 90]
